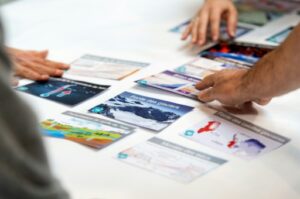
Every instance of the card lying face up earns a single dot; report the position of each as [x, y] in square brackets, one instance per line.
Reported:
[236, 54]
[62, 90]
[104, 67]
[278, 38]
[84, 129]
[200, 68]
[232, 135]
[146, 112]
[240, 30]
[170, 160]
[173, 82]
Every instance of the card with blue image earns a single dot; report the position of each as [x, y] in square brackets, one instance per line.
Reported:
[62, 90]
[142, 111]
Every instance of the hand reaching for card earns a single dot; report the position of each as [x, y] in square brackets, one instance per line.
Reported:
[209, 18]
[34, 65]
[228, 87]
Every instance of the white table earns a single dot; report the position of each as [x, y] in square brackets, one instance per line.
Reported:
[138, 30]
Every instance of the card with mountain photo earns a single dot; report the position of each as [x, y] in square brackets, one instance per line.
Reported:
[104, 67]
[85, 129]
[142, 111]
[173, 82]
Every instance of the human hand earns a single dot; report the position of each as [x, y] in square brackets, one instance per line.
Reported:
[211, 14]
[228, 87]
[34, 65]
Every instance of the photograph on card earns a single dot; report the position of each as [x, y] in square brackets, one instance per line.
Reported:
[236, 54]
[142, 111]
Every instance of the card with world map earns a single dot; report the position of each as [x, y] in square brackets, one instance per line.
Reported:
[227, 133]
[85, 129]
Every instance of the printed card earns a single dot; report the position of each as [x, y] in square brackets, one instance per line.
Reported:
[170, 160]
[104, 67]
[84, 129]
[62, 90]
[173, 82]
[229, 134]
[147, 112]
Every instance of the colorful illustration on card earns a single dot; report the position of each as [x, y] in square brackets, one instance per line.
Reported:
[84, 129]
[232, 135]
[236, 55]
[62, 90]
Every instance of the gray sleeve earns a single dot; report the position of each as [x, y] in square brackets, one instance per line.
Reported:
[24, 170]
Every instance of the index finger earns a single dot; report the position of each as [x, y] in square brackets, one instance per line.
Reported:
[206, 82]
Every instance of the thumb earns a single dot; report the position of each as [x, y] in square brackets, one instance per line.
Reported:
[206, 95]
[42, 54]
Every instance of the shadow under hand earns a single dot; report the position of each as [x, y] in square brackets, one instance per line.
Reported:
[246, 108]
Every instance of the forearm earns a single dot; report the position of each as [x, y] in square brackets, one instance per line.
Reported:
[278, 72]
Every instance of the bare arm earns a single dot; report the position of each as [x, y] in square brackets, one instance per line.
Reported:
[275, 74]
[278, 72]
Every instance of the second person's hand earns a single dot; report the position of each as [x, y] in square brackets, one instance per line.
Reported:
[208, 19]
[34, 65]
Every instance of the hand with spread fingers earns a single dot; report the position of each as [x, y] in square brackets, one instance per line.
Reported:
[228, 87]
[34, 65]
[208, 19]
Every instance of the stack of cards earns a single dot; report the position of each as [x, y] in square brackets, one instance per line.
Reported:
[62, 90]
[104, 67]
[84, 129]
[171, 160]
[232, 135]
[150, 113]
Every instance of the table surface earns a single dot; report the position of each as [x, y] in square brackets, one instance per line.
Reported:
[138, 30]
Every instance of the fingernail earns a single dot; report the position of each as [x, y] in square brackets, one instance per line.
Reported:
[44, 77]
[66, 66]
[200, 42]
[58, 72]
